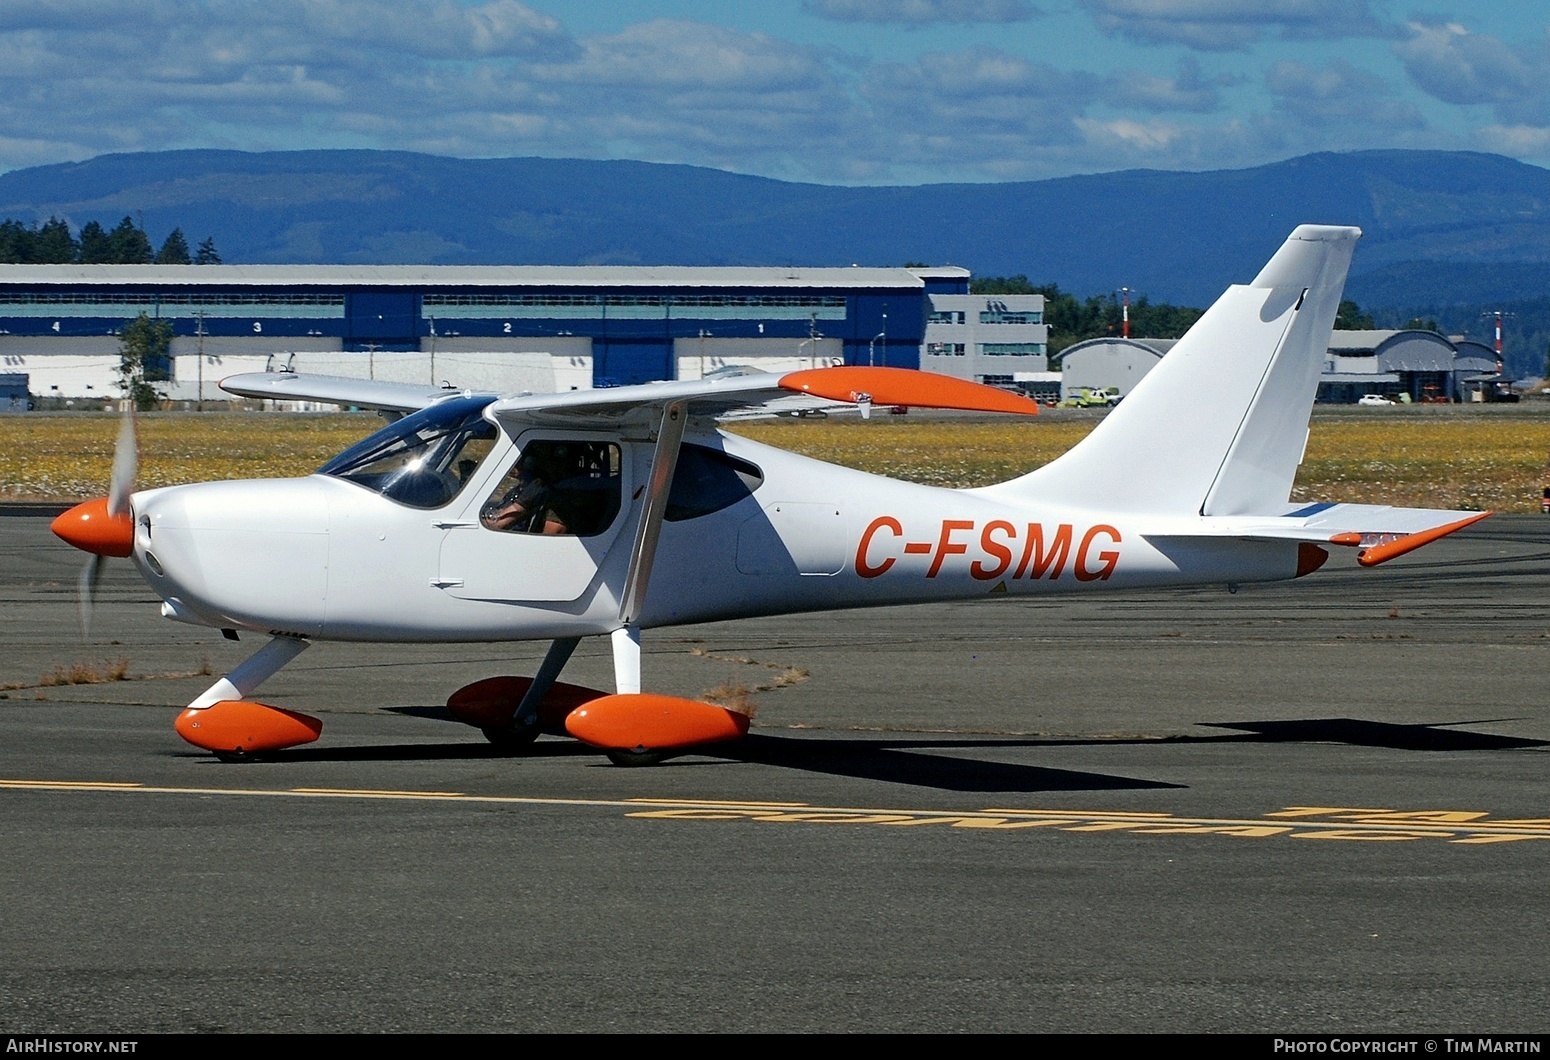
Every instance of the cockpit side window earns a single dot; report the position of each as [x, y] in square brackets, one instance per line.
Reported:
[559, 486]
[424, 460]
[706, 480]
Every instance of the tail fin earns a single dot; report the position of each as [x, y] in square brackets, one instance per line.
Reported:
[1219, 426]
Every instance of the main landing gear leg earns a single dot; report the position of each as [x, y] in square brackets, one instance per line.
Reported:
[223, 720]
[626, 644]
[523, 729]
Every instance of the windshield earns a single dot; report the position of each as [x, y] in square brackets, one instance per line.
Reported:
[423, 460]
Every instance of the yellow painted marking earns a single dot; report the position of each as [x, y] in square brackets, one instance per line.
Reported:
[369, 793]
[840, 817]
[1369, 835]
[1001, 822]
[70, 785]
[1523, 822]
[1128, 814]
[696, 813]
[1466, 827]
[952, 822]
[1318, 811]
[723, 802]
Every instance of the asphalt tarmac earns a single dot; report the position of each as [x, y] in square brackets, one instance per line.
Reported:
[1319, 806]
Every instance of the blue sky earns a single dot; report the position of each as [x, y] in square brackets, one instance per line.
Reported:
[830, 91]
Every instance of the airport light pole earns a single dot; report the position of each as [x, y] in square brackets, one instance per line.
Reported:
[199, 330]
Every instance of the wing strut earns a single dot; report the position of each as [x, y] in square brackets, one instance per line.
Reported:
[626, 639]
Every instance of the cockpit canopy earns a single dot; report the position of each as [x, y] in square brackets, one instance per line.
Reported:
[425, 459]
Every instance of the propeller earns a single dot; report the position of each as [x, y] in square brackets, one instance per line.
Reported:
[126, 461]
[103, 527]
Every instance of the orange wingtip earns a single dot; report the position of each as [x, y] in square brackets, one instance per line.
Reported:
[905, 387]
[237, 726]
[493, 702]
[644, 722]
[90, 528]
[1410, 542]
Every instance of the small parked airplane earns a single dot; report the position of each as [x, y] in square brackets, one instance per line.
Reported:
[478, 517]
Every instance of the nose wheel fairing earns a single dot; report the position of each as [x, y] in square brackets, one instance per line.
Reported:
[225, 721]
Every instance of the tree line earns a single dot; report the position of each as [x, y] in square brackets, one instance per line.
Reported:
[1071, 321]
[52, 243]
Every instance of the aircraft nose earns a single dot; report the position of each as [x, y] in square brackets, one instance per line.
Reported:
[90, 528]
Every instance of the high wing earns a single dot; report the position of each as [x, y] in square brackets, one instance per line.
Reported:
[337, 390]
[711, 397]
[720, 396]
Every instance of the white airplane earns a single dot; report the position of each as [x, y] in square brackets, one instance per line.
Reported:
[477, 517]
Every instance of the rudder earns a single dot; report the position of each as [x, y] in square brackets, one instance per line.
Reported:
[1219, 426]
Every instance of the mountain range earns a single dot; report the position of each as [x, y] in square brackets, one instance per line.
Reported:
[1446, 233]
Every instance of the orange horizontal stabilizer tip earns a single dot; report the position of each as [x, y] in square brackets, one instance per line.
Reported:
[906, 387]
[237, 726]
[492, 703]
[90, 528]
[643, 722]
[1410, 542]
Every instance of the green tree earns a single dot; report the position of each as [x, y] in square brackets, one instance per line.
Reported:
[1351, 318]
[144, 357]
[1004, 285]
[95, 248]
[174, 251]
[128, 244]
[1417, 324]
[53, 244]
[15, 242]
[207, 254]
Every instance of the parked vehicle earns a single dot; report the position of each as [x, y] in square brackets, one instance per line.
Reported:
[1091, 397]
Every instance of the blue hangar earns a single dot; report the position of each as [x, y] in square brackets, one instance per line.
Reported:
[505, 327]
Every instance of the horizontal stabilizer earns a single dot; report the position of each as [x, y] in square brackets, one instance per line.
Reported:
[1380, 531]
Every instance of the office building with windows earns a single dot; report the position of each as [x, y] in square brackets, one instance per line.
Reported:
[507, 328]
[986, 338]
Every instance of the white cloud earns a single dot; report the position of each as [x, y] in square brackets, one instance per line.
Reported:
[494, 77]
[1520, 141]
[921, 12]
[1340, 95]
[1190, 91]
[1225, 25]
[1456, 66]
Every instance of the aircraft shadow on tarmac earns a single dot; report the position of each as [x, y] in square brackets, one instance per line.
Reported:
[1360, 733]
[908, 759]
[902, 760]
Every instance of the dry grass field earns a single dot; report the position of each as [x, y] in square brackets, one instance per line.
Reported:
[1433, 456]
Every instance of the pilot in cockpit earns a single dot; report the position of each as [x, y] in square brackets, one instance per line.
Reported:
[529, 504]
